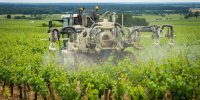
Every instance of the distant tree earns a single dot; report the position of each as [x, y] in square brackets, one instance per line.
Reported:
[190, 14]
[34, 15]
[130, 21]
[139, 22]
[23, 17]
[196, 14]
[39, 17]
[17, 17]
[20, 17]
[186, 16]
[8, 16]
[44, 25]
[163, 15]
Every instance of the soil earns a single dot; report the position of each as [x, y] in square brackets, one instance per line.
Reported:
[16, 94]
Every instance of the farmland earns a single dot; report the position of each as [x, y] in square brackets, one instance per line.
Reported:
[29, 70]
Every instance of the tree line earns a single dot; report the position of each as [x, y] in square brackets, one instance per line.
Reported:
[130, 21]
[192, 14]
[119, 8]
[31, 17]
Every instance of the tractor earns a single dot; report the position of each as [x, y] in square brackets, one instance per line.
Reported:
[99, 38]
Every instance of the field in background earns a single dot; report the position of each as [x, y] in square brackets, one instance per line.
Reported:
[157, 73]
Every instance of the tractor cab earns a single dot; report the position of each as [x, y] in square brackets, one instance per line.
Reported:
[70, 26]
[66, 20]
[70, 20]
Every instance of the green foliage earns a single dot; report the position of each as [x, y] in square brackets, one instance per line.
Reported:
[19, 17]
[47, 8]
[8, 16]
[6, 92]
[129, 21]
[191, 14]
[163, 15]
[139, 22]
[24, 58]
[45, 25]
[196, 14]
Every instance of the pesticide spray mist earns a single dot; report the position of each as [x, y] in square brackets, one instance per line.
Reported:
[73, 60]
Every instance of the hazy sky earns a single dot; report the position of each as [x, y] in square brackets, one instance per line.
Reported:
[93, 1]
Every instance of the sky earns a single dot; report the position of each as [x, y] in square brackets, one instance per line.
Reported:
[93, 1]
